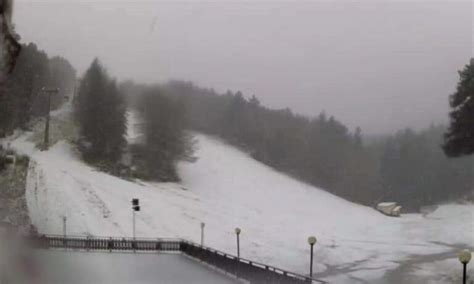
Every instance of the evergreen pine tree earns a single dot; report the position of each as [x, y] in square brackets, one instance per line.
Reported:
[165, 141]
[100, 113]
[459, 139]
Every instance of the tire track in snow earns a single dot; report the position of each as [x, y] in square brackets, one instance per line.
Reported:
[91, 196]
[95, 201]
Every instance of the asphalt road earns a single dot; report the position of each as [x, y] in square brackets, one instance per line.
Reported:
[57, 266]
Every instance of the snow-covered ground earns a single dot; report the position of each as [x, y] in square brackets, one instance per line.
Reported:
[443, 271]
[225, 188]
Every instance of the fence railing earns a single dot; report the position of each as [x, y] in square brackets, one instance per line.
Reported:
[252, 271]
[105, 243]
[245, 269]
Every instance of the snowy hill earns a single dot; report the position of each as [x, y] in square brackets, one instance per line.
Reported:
[226, 188]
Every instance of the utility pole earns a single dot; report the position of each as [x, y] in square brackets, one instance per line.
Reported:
[75, 91]
[48, 91]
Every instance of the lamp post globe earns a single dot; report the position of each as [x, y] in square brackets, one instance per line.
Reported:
[237, 231]
[464, 256]
[312, 240]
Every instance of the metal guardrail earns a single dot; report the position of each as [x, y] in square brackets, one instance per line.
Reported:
[248, 270]
[252, 271]
[105, 243]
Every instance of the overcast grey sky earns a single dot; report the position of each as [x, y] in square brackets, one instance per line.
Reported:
[381, 65]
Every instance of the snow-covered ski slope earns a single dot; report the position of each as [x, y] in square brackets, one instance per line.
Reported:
[225, 188]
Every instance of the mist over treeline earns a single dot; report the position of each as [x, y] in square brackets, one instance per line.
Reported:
[21, 98]
[408, 167]
[165, 141]
[100, 108]
[99, 111]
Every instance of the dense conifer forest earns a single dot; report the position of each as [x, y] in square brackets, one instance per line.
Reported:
[408, 167]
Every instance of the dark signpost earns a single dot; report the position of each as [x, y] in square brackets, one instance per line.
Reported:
[135, 208]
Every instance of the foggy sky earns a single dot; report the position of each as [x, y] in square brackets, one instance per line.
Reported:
[379, 65]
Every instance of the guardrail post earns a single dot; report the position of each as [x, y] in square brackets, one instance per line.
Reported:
[110, 244]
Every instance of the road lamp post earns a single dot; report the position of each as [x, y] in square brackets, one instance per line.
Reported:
[202, 233]
[311, 241]
[237, 233]
[464, 257]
